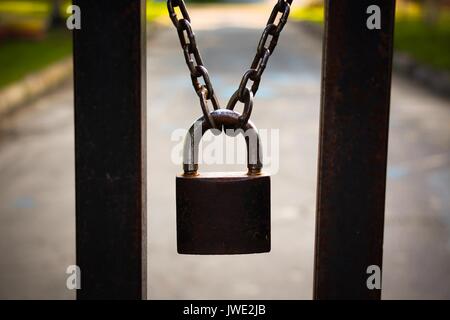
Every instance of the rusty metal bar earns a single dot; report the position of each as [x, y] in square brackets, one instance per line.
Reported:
[110, 144]
[353, 148]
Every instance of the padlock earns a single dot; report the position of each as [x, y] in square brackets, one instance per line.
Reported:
[223, 213]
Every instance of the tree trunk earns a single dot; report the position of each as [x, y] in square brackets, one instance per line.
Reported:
[56, 18]
[431, 11]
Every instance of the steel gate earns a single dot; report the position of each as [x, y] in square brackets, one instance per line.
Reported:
[110, 146]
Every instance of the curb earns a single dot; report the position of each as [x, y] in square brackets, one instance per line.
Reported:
[39, 83]
[34, 85]
[437, 81]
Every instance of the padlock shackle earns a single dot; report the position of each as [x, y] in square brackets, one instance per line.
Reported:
[224, 119]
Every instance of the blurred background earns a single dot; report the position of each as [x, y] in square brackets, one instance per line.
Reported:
[37, 200]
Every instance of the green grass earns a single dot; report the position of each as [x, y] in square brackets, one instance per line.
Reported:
[21, 57]
[311, 14]
[156, 9]
[29, 16]
[428, 44]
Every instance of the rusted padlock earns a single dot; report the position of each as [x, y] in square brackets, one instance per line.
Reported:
[223, 213]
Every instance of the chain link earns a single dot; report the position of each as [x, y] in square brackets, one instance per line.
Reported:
[252, 77]
[193, 58]
[266, 46]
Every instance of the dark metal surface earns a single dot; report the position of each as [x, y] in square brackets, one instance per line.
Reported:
[266, 45]
[223, 213]
[353, 149]
[109, 58]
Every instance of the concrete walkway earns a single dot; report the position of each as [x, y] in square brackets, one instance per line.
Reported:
[37, 169]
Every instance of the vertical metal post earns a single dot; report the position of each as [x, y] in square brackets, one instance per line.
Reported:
[353, 148]
[110, 144]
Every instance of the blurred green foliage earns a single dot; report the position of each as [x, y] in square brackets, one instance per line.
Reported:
[22, 16]
[33, 16]
[19, 57]
[425, 41]
[156, 9]
[27, 44]
[313, 13]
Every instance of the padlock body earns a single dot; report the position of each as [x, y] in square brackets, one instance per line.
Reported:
[223, 213]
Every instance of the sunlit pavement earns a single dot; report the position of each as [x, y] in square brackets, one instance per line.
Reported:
[37, 232]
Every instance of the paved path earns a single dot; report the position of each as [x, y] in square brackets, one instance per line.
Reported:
[37, 192]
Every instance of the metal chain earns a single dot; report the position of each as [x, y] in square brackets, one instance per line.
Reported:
[252, 77]
[193, 59]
